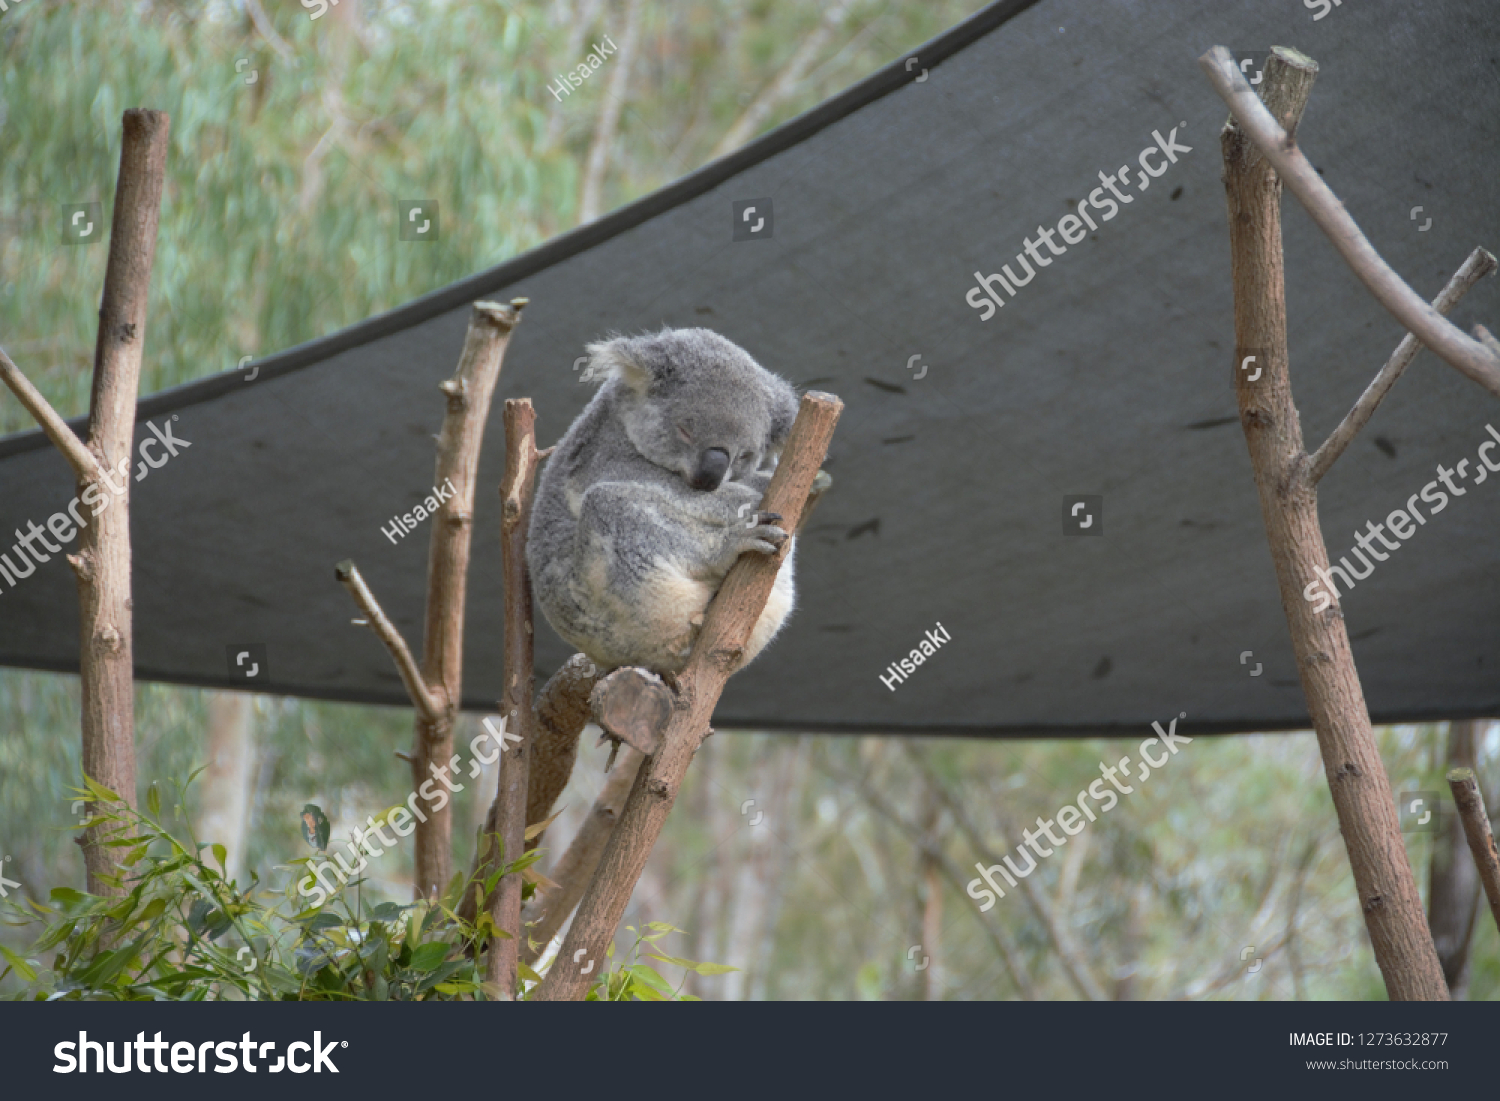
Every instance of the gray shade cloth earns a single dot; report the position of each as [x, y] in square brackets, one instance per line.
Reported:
[1107, 376]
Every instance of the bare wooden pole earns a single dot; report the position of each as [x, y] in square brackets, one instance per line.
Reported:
[1453, 882]
[1272, 137]
[102, 564]
[1470, 802]
[437, 686]
[468, 394]
[518, 491]
[1356, 775]
[718, 652]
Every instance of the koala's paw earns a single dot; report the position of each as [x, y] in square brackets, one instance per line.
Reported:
[761, 534]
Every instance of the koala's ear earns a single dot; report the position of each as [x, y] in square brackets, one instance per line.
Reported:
[615, 358]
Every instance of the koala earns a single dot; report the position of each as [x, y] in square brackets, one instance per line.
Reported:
[653, 494]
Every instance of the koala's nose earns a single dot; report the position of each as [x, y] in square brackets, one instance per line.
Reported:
[712, 465]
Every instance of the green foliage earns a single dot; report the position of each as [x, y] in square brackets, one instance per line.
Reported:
[640, 982]
[183, 932]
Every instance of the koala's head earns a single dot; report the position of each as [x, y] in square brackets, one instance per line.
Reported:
[694, 403]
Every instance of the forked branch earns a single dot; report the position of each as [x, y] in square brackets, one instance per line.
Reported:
[1479, 264]
[1464, 353]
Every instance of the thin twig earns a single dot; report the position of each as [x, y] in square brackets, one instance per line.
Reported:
[1005, 945]
[608, 124]
[79, 457]
[1479, 264]
[422, 698]
[267, 31]
[1487, 338]
[1470, 802]
[1434, 330]
[1067, 948]
[785, 83]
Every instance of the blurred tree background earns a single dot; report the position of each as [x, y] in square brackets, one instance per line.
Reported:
[823, 867]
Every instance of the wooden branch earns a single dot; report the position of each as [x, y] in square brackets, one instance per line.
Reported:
[468, 395]
[518, 490]
[1479, 264]
[102, 564]
[1453, 881]
[635, 706]
[718, 652]
[423, 699]
[1487, 338]
[85, 467]
[1470, 802]
[1276, 143]
[576, 867]
[1383, 877]
[562, 711]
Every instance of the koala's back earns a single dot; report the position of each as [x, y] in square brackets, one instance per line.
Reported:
[625, 554]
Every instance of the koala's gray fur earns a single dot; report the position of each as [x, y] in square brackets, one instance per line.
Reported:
[653, 494]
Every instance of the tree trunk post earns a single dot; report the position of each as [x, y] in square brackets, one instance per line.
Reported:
[518, 491]
[1356, 775]
[1470, 802]
[1453, 883]
[468, 395]
[436, 687]
[102, 564]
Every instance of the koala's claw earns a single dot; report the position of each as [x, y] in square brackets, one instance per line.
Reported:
[767, 538]
[756, 519]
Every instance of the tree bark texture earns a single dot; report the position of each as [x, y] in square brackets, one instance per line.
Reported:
[1386, 887]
